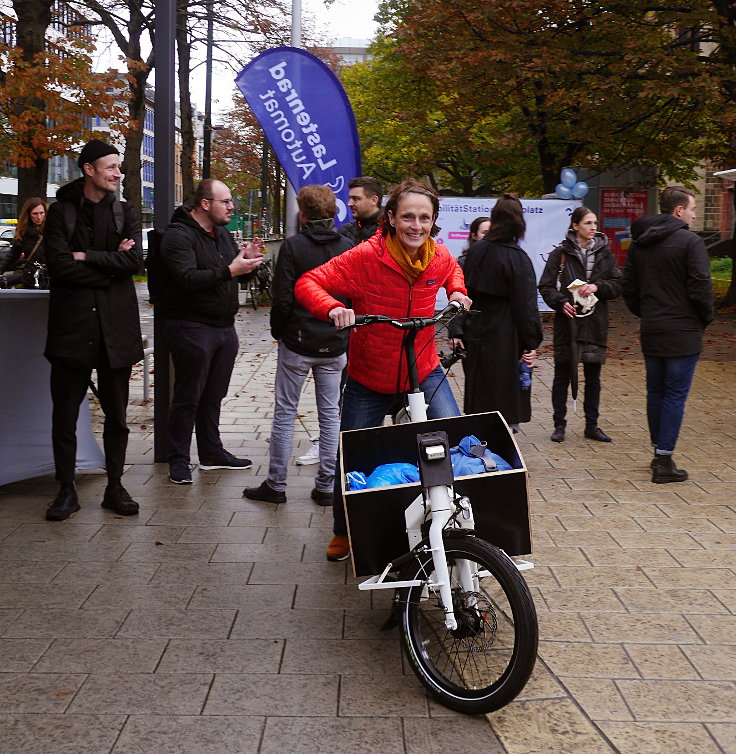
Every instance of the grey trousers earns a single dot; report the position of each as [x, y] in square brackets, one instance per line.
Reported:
[291, 372]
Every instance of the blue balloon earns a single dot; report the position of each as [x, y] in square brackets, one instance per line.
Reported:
[563, 192]
[580, 189]
[568, 177]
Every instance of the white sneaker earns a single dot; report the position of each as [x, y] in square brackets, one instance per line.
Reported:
[310, 457]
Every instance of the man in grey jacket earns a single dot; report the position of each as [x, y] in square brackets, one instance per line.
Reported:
[667, 283]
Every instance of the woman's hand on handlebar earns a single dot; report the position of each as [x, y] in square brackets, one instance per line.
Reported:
[461, 299]
[341, 317]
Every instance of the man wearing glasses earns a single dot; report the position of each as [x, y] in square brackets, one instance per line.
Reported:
[199, 303]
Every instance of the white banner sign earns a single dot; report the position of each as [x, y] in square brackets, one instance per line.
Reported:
[547, 221]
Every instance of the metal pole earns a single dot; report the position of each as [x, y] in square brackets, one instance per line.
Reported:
[264, 188]
[207, 145]
[292, 211]
[163, 201]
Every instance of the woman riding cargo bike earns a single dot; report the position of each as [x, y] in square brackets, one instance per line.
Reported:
[472, 645]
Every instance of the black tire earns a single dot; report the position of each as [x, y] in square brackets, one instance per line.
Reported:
[487, 660]
[255, 294]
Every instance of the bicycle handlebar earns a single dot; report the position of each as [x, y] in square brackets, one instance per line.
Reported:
[406, 323]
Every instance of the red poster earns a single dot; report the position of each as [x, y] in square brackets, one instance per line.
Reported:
[618, 211]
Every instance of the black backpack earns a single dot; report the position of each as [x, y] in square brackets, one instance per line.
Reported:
[159, 276]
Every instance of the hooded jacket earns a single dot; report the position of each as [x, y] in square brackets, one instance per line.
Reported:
[369, 276]
[360, 230]
[667, 284]
[591, 331]
[292, 324]
[199, 286]
[92, 304]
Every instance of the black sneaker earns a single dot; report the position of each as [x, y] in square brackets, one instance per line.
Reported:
[265, 493]
[180, 472]
[320, 497]
[63, 505]
[225, 461]
[117, 499]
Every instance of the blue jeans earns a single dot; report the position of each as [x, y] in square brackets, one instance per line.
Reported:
[291, 372]
[363, 407]
[668, 385]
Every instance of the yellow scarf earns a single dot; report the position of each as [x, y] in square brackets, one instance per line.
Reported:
[412, 269]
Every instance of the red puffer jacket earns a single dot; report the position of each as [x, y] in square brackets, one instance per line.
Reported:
[369, 276]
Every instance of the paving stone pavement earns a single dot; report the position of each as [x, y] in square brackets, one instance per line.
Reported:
[210, 623]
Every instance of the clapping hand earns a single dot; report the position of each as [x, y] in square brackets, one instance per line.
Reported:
[243, 263]
[253, 249]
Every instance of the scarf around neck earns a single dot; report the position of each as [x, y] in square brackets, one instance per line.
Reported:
[411, 268]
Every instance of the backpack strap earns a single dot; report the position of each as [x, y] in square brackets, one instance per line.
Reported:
[70, 217]
[117, 212]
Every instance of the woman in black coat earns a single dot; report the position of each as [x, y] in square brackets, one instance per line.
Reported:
[28, 247]
[583, 255]
[507, 330]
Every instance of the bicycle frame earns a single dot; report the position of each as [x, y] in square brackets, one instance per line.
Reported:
[437, 502]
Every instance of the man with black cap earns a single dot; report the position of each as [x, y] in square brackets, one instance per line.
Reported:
[93, 249]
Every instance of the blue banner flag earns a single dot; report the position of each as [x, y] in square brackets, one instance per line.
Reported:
[306, 116]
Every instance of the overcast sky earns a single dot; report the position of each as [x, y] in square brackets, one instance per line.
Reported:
[343, 18]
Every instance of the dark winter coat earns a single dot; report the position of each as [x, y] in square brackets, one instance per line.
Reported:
[592, 330]
[667, 283]
[92, 304]
[360, 230]
[199, 287]
[298, 329]
[22, 247]
[502, 285]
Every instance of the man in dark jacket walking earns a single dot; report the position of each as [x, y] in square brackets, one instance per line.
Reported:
[198, 302]
[667, 284]
[93, 249]
[365, 195]
[305, 343]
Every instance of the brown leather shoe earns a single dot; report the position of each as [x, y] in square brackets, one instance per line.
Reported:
[596, 433]
[339, 548]
[665, 471]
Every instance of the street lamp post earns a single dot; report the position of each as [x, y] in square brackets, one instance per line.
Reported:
[207, 146]
[290, 224]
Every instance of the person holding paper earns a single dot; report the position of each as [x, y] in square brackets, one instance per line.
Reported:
[582, 267]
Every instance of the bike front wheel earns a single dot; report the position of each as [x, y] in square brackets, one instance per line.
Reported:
[486, 661]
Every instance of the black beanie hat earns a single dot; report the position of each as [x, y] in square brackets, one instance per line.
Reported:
[93, 150]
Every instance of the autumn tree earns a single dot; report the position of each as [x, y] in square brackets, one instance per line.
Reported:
[47, 93]
[724, 54]
[241, 29]
[592, 84]
[409, 124]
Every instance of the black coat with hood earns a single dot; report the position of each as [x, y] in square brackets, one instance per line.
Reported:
[592, 331]
[667, 283]
[291, 323]
[199, 286]
[360, 230]
[92, 304]
[502, 285]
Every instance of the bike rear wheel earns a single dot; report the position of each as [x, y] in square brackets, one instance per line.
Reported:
[254, 292]
[484, 663]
